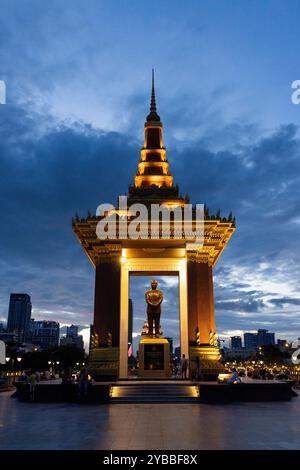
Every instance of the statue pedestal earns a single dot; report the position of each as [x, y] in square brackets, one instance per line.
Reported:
[154, 358]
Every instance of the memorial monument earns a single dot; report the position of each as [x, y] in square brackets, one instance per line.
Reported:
[119, 257]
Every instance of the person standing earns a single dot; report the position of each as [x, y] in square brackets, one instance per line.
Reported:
[32, 384]
[184, 366]
[83, 383]
[24, 377]
[199, 374]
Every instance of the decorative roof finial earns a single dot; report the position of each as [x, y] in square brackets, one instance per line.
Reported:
[153, 116]
[153, 103]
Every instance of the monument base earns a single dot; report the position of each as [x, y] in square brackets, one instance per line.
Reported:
[154, 358]
[104, 363]
[210, 363]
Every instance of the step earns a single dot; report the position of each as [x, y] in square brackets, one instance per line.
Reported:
[154, 393]
[147, 400]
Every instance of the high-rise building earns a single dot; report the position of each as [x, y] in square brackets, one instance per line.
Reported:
[261, 338]
[19, 315]
[171, 344]
[250, 340]
[177, 352]
[72, 338]
[76, 341]
[72, 330]
[8, 338]
[265, 338]
[45, 333]
[236, 342]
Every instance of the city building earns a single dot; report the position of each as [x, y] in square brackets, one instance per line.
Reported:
[72, 338]
[261, 338]
[171, 344]
[239, 353]
[8, 338]
[76, 341]
[236, 342]
[250, 340]
[19, 315]
[72, 330]
[177, 352]
[44, 333]
[265, 338]
[282, 345]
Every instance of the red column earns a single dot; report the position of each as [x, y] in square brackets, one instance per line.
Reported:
[200, 301]
[107, 302]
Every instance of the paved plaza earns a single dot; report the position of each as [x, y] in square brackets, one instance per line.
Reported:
[147, 426]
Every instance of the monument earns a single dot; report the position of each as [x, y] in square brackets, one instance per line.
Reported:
[154, 350]
[119, 257]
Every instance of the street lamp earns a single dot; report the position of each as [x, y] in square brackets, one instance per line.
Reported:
[19, 359]
[12, 362]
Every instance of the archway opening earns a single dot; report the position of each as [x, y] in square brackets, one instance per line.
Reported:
[170, 324]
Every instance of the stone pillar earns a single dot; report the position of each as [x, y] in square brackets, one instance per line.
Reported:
[201, 303]
[202, 320]
[107, 303]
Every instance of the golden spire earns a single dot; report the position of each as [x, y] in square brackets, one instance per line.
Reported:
[153, 167]
[153, 116]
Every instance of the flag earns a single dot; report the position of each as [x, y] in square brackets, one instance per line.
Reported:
[130, 349]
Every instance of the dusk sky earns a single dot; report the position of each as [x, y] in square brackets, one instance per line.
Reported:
[78, 78]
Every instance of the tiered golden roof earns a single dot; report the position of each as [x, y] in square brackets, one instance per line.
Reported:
[153, 183]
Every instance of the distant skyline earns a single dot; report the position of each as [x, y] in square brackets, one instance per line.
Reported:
[77, 93]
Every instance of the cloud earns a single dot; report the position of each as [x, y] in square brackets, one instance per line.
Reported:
[280, 302]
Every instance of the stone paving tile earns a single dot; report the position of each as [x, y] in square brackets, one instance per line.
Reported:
[147, 426]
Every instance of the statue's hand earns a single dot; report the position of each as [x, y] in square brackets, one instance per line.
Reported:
[154, 298]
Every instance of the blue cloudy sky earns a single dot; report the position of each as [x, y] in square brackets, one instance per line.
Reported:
[78, 82]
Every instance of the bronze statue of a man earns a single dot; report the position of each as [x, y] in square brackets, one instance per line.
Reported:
[154, 298]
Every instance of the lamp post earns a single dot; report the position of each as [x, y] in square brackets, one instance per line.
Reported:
[12, 359]
[57, 364]
[7, 359]
[19, 359]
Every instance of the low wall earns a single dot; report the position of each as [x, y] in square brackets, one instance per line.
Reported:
[44, 392]
[241, 392]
